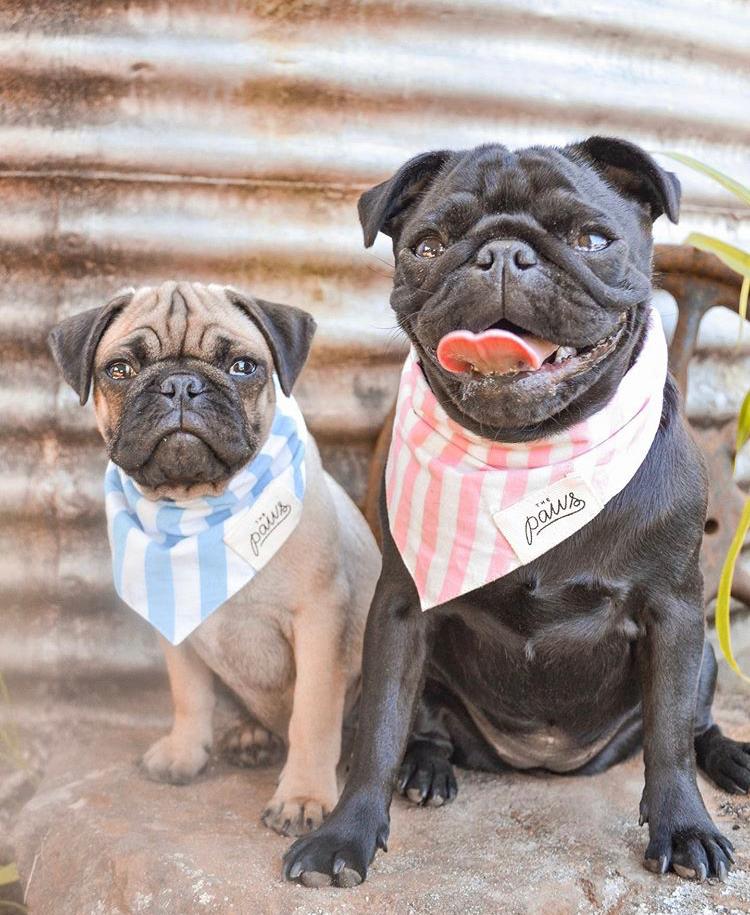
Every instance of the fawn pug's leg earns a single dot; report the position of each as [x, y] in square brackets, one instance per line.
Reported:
[307, 789]
[183, 753]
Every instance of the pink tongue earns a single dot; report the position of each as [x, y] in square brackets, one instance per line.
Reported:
[493, 352]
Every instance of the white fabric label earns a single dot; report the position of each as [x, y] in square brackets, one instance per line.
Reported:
[541, 521]
[257, 533]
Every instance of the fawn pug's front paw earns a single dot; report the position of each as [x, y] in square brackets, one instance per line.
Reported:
[176, 759]
[296, 816]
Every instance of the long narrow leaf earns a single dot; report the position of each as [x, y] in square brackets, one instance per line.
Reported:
[739, 190]
[725, 591]
[743, 425]
[733, 257]
[744, 296]
[9, 874]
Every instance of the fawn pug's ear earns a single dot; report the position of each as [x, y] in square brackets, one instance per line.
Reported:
[287, 330]
[73, 342]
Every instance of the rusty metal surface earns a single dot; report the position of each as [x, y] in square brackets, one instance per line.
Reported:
[229, 141]
[699, 282]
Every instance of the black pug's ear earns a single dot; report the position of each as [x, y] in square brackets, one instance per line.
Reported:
[635, 173]
[380, 207]
[287, 330]
[73, 342]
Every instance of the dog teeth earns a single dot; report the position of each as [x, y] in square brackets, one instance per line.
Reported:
[563, 353]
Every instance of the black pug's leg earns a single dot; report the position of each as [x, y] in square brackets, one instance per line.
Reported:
[725, 761]
[426, 775]
[395, 648]
[682, 835]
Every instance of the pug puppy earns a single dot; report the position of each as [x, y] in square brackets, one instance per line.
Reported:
[184, 397]
[574, 660]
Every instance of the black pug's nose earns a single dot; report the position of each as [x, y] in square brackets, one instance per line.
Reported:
[182, 387]
[506, 254]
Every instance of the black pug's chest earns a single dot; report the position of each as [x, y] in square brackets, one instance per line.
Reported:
[557, 641]
[552, 647]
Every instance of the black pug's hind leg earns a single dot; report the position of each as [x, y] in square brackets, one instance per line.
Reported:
[725, 761]
[426, 776]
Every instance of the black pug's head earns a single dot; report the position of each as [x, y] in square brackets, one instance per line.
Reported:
[182, 378]
[523, 278]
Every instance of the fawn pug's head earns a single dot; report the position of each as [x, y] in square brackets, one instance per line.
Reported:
[182, 379]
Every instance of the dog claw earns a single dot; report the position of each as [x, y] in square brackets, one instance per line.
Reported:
[722, 872]
[663, 864]
[295, 870]
[381, 842]
[641, 820]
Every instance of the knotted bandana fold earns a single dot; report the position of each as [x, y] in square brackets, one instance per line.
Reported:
[175, 563]
[465, 511]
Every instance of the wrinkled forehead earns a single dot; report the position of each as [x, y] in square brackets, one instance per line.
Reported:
[494, 179]
[179, 320]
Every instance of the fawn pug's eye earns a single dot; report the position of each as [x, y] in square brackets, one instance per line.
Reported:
[120, 370]
[430, 246]
[591, 241]
[243, 367]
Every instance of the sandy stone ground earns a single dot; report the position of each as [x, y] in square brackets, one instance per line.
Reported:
[92, 836]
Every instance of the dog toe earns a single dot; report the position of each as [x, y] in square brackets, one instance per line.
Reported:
[692, 853]
[725, 761]
[426, 778]
[315, 879]
[295, 816]
[338, 853]
[174, 760]
[251, 746]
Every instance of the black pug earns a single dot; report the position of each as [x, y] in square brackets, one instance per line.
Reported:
[599, 641]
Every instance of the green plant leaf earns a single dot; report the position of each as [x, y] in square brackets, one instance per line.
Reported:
[743, 425]
[723, 625]
[9, 874]
[744, 296]
[735, 258]
[10, 745]
[734, 187]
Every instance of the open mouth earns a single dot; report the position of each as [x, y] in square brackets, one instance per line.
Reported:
[505, 349]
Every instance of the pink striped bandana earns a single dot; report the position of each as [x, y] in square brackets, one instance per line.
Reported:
[464, 510]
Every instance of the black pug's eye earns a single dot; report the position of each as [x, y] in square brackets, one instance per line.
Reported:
[120, 370]
[591, 241]
[431, 246]
[243, 367]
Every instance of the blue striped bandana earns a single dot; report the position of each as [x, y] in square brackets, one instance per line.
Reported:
[174, 563]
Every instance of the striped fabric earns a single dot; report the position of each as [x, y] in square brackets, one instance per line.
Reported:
[169, 559]
[445, 486]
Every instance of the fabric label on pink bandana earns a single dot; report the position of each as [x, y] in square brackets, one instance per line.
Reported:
[465, 511]
[534, 525]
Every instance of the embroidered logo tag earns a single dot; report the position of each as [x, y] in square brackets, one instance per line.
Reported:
[256, 534]
[549, 516]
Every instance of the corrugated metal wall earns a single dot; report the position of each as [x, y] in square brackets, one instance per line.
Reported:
[229, 141]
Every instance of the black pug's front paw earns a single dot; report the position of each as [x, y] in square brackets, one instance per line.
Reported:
[682, 835]
[339, 852]
[426, 775]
